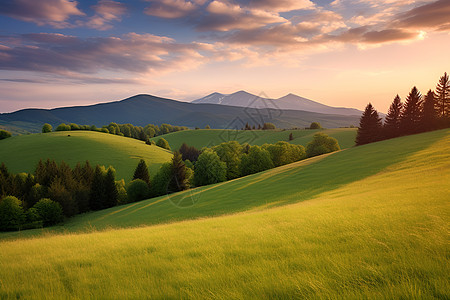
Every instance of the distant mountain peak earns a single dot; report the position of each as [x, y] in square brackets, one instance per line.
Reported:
[290, 101]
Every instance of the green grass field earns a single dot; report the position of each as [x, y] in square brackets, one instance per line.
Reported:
[22, 153]
[210, 137]
[369, 222]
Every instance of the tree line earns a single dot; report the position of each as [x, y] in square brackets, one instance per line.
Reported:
[127, 130]
[417, 114]
[55, 191]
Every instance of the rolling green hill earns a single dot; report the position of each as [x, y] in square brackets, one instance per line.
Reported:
[22, 153]
[210, 137]
[363, 223]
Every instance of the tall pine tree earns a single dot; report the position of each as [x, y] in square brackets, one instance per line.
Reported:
[429, 112]
[111, 194]
[178, 182]
[370, 126]
[97, 189]
[141, 172]
[412, 113]
[392, 121]
[443, 96]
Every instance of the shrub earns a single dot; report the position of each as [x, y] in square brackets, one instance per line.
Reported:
[209, 169]
[63, 127]
[257, 160]
[11, 214]
[137, 190]
[163, 143]
[4, 134]
[49, 211]
[33, 219]
[283, 153]
[315, 125]
[161, 180]
[321, 144]
[47, 128]
[268, 126]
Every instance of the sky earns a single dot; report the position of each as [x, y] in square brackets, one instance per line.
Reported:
[344, 53]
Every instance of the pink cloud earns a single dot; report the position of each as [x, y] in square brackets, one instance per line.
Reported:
[170, 9]
[107, 11]
[42, 12]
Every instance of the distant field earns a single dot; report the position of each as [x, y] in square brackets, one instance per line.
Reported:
[22, 153]
[369, 222]
[210, 137]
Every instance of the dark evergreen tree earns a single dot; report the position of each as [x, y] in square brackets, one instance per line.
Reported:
[370, 126]
[189, 152]
[178, 181]
[111, 194]
[141, 172]
[443, 96]
[412, 113]
[429, 119]
[392, 120]
[291, 137]
[97, 189]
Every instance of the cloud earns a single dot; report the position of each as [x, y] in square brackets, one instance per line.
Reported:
[43, 12]
[106, 11]
[435, 16]
[281, 5]
[71, 56]
[170, 9]
[225, 16]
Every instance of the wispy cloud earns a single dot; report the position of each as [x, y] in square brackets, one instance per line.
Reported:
[43, 12]
[106, 11]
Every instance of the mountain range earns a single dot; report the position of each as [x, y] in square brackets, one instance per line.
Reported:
[141, 110]
[290, 101]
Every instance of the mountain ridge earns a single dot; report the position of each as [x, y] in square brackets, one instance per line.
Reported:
[143, 109]
[287, 102]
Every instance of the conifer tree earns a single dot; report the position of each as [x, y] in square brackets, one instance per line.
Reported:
[370, 126]
[97, 189]
[392, 121]
[443, 96]
[111, 194]
[429, 112]
[141, 172]
[412, 113]
[178, 181]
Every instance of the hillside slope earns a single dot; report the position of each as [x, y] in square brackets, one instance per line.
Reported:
[22, 153]
[375, 226]
[141, 110]
[211, 137]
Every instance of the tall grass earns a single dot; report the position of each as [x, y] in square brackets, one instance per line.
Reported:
[383, 235]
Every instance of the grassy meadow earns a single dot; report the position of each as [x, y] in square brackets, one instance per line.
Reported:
[369, 222]
[211, 137]
[22, 153]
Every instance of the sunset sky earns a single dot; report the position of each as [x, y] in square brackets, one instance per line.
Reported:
[57, 53]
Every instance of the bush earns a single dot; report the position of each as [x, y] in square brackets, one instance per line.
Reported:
[161, 180]
[209, 169]
[63, 127]
[321, 144]
[257, 160]
[33, 219]
[12, 216]
[163, 143]
[50, 211]
[315, 125]
[47, 128]
[137, 190]
[268, 126]
[283, 153]
[4, 134]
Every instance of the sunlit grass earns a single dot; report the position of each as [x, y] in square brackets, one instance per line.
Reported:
[380, 235]
[22, 153]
